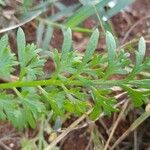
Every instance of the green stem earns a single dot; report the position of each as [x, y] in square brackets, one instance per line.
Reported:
[28, 84]
[61, 26]
[99, 19]
[17, 92]
[53, 82]
[69, 96]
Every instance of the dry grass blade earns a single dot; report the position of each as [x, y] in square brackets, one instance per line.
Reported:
[134, 41]
[73, 125]
[135, 124]
[135, 140]
[116, 124]
[130, 30]
[4, 146]
[21, 24]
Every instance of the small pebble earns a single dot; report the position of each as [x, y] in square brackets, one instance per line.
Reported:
[11, 145]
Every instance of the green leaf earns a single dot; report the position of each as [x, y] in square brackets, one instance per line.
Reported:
[143, 83]
[91, 46]
[55, 104]
[2, 2]
[18, 118]
[120, 4]
[142, 46]
[76, 79]
[7, 59]
[95, 112]
[137, 97]
[56, 58]
[77, 92]
[21, 111]
[33, 108]
[102, 103]
[39, 34]
[111, 47]
[141, 51]
[21, 43]
[47, 38]
[83, 13]
[80, 107]
[55, 100]
[86, 81]
[3, 43]
[67, 44]
[139, 64]
[27, 3]
[33, 63]
[8, 107]
[28, 144]
[65, 11]
[29, 118]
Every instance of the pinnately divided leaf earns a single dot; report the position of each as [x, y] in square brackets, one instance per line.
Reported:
[67, 44]
[6, 105]
[79, 82]
[102, 104]
[111, 47]
[10, 111]
[141, 51]
[31, 63]
[140, 64]
[7, 59]
[33, 109]
[21, 44]
[21, 112]
[91, 46]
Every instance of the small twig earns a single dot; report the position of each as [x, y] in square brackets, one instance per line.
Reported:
[99, 19]
[134, 125]
[74, 124]
[103, 125]
[89, 143]
[62, 135]
[106, 129]
[135, 140]
[129, 31]
[41, 134]
[98, 139]
[4, 146]
[115, 125]
[134, 41]
[20, 24]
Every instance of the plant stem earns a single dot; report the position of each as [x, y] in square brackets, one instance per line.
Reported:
[134, 125]
[17, 92]
[116, 124]
[53, 82]
[99, 19]
[61, 26]
[36, 83]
